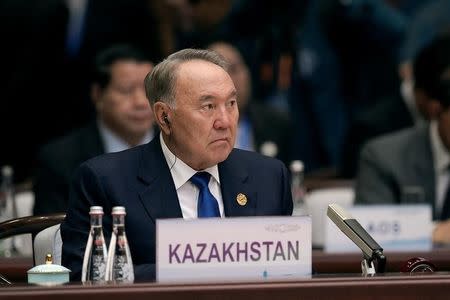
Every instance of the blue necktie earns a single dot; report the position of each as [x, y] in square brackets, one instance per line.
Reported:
[207, 205]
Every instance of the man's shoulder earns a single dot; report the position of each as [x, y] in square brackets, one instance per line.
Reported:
[398, 139]
[397, 148]
[252, 158]
[116, 159]
[68, 145]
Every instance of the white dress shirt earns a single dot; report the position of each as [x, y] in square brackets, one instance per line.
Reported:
[441, 161]
[187, 192]
[113, 143]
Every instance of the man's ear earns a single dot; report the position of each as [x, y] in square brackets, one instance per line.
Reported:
[428, 107]
[435, 108]
[162, 112]
[96, 96]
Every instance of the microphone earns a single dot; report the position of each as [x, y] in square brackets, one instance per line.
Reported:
[355, 232]
[166, 120]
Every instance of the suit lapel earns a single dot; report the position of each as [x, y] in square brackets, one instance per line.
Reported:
[235, 180]
[159, 198]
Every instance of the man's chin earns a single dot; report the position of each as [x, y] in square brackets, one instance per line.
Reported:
[221, 146]
[221, 154]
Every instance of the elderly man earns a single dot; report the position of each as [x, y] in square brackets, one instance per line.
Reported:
[195, 105]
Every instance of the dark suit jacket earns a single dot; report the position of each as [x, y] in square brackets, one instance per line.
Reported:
[56, 163]
[140, 180]
[393, 163]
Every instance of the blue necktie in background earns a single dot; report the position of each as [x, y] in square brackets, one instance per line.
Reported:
[207, 205]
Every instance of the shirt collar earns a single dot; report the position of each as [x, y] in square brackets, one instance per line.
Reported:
[113, 143]
[441, 156]
[181, 172]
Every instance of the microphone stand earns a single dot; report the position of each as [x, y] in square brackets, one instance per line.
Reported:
[355, 232]
[368, 267]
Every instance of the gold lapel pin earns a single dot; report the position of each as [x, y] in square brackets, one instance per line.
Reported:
[241, 199]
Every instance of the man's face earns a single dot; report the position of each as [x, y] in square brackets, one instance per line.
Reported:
[122, 104]
[204, 120]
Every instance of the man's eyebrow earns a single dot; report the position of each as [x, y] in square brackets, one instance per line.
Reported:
[204, 98]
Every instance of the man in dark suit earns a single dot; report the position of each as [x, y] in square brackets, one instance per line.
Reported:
[412, 165]
[195, 105]
[260, 128]
[124, 119]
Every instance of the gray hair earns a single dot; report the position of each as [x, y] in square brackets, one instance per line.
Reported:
[160, 82]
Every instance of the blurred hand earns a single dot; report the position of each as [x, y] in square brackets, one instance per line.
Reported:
[441, 232]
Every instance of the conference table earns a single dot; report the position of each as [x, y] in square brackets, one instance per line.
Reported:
[336, 276]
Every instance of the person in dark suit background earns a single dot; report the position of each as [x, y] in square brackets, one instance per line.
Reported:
[49, 46]
[194, 102]
[123, 119]
[260, 127]
[412, 165]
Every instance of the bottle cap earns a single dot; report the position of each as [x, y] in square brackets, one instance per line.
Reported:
[296, 166]
[269, 148]
[118, 210]
[97, 210]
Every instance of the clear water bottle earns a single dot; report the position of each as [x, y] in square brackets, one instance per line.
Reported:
[297, 187]
[119, 267]
[95, 255]
[8, 209]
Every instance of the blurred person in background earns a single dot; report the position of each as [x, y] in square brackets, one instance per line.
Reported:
[345, 60]
[425, 20]
[123, 119]
[413, 165]
[260, 128]
[261, 29]
[50, 46]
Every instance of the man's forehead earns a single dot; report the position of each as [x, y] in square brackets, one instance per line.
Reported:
[199, 70]
[198, 67]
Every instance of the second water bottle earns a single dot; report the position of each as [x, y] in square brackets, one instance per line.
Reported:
[119, 267]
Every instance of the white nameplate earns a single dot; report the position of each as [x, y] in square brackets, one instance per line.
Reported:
[406, 227]
[212, 249]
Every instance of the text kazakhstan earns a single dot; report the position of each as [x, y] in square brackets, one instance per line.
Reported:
[233, 252]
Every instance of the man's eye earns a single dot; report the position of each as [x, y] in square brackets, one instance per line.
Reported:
[125, 90]
[208, 107]
[232, 103]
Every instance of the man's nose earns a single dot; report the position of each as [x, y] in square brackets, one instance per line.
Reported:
[223, 118]
[139, 98]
